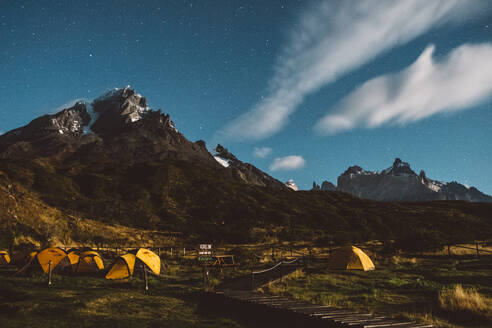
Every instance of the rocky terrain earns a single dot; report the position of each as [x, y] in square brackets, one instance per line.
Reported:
[400, 183]
[245, 172]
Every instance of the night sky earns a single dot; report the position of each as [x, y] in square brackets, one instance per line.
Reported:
[300, 89]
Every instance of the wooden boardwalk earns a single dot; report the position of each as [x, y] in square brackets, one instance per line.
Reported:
[288, 312]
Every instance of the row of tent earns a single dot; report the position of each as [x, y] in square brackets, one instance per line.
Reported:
[81, 262]
[87, 262]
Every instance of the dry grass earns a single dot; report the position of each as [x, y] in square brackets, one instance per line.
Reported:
[426, 318]
[399, 260]
[468, 299]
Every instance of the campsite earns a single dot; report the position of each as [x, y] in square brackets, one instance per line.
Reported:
[404, 286]
[246, 164]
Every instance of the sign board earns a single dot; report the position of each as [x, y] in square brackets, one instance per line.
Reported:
[205, 253]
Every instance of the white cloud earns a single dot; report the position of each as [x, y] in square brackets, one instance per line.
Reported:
[288, 163]
[332, 38]
[262, 152]
[68, 104]
[461, 79]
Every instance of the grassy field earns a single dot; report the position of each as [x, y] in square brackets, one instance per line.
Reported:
[432, 288]
[173, 301]
[445, 291]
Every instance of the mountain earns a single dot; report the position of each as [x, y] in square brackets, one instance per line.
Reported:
[400, 183]
[244, 171]
[325, 186]
[115, 171]
[118, 126]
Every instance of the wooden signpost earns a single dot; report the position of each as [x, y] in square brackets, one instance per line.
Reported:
[205, 257]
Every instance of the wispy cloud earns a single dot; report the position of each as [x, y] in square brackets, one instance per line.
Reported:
[332, 38]
[461, 79]
[287, 163]
[68, 104]
[262, 152]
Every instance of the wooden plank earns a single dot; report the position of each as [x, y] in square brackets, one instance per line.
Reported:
[251, 298]
[293, 306]
[385, 325]
[312, 306]
[353, 322]
[371, 322]
[285, 302]
[343, 318]
[270, 300]
[350, 315]
[325, 313]
[372, 317]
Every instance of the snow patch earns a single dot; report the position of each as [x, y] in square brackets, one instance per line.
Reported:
[171, 125]
[292, 185]
[94, 116]
[222, 161]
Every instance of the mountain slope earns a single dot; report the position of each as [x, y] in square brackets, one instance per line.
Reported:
[137, 171]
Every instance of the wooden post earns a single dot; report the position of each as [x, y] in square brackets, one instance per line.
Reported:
[145, 278]
[49, 273]
[184, 251]
[204, 276]
[171, 251]
[449, 250]
[478, 254]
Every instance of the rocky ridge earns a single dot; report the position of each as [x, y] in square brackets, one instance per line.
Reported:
[400, 183]
[119, 127]
[245, 171]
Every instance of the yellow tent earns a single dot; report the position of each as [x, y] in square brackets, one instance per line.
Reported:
[151, 259]
[4, 258]
[56, 256]
[88, 262]
[350, 258]
[73, 257]
[124, 266]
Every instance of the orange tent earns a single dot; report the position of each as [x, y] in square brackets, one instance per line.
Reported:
[54, 255]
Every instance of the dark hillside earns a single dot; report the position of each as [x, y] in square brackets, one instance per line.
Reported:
[202, 201]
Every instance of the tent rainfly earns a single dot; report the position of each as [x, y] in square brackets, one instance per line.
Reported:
[85, 262]
[4, 258]
[350, 258]
[124, 266]
[58, 257]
